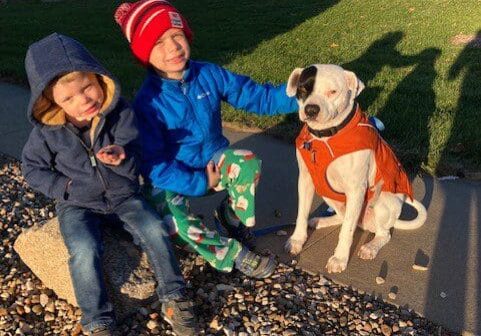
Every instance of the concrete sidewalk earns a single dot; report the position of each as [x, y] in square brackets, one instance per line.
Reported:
[14, 125]
[448, 293]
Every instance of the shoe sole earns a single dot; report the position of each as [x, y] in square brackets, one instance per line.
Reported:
[271, 271]
[171, 323]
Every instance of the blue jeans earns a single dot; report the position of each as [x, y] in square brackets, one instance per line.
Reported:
[81, 232]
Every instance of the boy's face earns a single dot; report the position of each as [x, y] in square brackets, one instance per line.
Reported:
[81, 98]
[170, 54]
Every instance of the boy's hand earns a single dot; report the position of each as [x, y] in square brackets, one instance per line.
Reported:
[213, 174]
[111, 155]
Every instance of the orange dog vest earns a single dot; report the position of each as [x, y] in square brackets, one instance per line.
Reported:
[358, 134]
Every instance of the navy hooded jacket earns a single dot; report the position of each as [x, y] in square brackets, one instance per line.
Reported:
[54, 154]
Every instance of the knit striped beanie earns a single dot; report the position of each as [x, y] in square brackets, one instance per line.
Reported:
[143, 23]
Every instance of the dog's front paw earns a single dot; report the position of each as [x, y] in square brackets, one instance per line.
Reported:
[294, 246]
[336, 265]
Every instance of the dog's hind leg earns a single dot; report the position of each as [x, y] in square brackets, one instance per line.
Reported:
[323, 222]
[384, 219]
[336, 219]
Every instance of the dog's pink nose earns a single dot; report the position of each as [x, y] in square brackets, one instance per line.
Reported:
[311, 110]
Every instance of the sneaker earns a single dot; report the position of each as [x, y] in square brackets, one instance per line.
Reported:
[179, 313]
[101, 331]
[240, 232]
[254, 265]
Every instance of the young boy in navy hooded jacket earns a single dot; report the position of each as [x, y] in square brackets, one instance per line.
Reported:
[184, 150]
[82, 152]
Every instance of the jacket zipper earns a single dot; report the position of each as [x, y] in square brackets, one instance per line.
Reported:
[183, 87]
[93, 163]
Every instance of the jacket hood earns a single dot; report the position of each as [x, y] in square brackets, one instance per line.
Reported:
[56, 55]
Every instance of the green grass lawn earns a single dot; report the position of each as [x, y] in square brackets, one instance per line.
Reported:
[426, 89]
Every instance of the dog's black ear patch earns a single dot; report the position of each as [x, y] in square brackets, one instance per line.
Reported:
[306, 82]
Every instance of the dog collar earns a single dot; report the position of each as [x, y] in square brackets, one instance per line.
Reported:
[328, 132]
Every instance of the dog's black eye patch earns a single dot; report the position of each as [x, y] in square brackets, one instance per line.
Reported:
[306, 83]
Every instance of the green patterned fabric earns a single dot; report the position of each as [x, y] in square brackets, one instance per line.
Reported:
[240, 172]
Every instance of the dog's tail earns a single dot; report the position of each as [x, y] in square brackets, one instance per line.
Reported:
[415, 223]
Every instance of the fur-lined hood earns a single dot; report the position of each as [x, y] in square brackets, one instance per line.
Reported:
[55, 55]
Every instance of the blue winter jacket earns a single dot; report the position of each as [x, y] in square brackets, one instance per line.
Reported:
[180, 121]
[55, 155]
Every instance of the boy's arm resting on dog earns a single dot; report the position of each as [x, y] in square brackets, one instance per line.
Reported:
[264, 99]
[37, 168]
[160, 168]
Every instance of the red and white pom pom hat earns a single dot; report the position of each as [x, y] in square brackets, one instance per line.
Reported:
[143, 23]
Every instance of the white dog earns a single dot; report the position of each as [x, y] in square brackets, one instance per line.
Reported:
[342, 157]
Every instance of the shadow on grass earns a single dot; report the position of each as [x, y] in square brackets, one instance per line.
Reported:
[381, 53]
[465, 140]
[225, 29]
[409, 107]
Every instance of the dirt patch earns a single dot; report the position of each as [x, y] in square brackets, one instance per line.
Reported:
[471, 41]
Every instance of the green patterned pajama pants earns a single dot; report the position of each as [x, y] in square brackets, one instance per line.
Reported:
[240, 172]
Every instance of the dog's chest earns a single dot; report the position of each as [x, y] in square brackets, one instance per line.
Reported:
[320, 154]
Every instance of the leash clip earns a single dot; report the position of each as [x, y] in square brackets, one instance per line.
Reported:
[307, 145]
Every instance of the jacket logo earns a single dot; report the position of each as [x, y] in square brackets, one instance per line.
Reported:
[203, 95]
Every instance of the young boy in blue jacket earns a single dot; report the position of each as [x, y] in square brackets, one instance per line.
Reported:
[184, 150]
[82, 152]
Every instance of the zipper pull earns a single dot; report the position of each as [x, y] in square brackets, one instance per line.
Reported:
[313, 156]
[93, 161]
[183, 86]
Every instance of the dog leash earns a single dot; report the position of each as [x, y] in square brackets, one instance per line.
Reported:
[268, 230]
[273, 229]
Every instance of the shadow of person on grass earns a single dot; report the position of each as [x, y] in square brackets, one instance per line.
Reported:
[381, 53]
[464, 140]
[408, 111]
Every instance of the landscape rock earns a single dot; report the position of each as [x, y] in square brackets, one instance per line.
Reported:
[129, 280]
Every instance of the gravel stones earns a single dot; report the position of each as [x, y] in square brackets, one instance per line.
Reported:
[291, 302]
